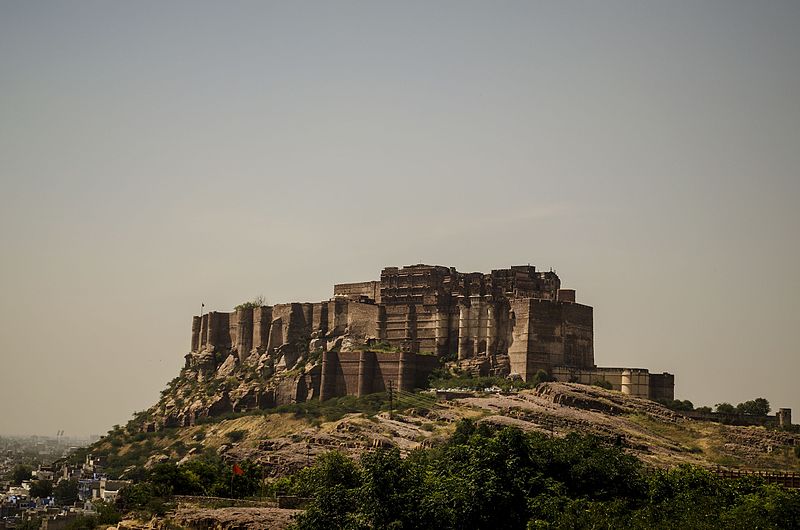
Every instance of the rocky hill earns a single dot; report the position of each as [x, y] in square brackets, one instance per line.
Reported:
[287, 438]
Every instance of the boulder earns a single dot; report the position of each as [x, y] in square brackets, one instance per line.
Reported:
[158, 458]
[228, 367]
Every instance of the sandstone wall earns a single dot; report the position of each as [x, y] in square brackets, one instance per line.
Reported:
[366, 372]
[521, 363]
[262, 321]
[537, 337]
[631, 381]
[662, 386]
[566, 295]
[474, 317]
[362, 319]
[578, 334]
[368, 289]
[319, 318]
[547, 333]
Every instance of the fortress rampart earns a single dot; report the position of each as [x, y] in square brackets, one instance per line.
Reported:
[518, 318]
[366, 372]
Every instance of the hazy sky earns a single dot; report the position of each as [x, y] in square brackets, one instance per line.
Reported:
[156, 155]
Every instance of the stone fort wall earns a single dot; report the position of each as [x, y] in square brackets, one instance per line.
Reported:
[518, 312]
[366, 372]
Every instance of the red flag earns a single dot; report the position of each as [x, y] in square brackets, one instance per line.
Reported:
[237, 470]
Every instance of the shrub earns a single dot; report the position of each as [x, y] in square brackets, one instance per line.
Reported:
[180, 448]
[602, 383]
[542, 377]
[475, 383]
[677, 404]
[236, 436]
[258, 301]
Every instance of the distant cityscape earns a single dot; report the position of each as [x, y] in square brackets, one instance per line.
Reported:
[41, 487]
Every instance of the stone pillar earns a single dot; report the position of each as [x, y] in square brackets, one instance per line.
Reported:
[203, 331]
[276, 338]
[480, 332]
[440, 331]
[382, 335]
[195, 334]
[327, 384]
[365, 372]
[474, 322]
[213, 331]
[490, 325]
[411, 329]
[262, 316]
[406, 371]
[323, 319]
[337, 316]
[244, 332]
[463, 330]
[308, 317]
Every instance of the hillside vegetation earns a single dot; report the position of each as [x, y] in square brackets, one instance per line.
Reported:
[287, 438]
[483, 476]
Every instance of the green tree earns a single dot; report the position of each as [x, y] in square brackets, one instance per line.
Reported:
[333, 482]
[107, 513]
[333, 508]
[41, 488]
[503, 478]
[135, 496]
[19, 473]
[66, 492]
[329, 470]
[258, 301]
[725, 408]
[756, 407]
[390, 491]
[677, 404]
[169, 479]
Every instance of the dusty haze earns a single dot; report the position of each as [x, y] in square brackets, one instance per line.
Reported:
[156, 155]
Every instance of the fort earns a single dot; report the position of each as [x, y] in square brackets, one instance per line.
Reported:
[512, 322]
